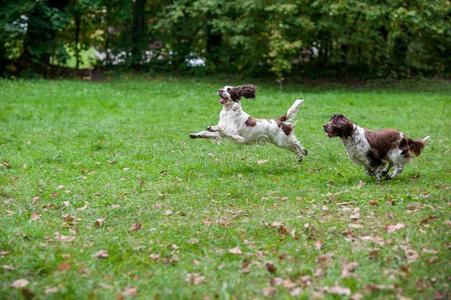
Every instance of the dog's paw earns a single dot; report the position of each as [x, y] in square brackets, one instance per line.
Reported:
[211, 129]
[193, 135]
[304, 151]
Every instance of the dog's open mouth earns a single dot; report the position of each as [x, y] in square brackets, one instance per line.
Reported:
[222, 100]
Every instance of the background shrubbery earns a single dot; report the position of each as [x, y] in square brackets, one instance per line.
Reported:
[253, 37]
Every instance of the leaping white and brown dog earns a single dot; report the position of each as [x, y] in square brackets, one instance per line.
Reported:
[377, 150]
[240, 127]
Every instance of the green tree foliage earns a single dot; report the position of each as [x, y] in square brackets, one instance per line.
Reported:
[283, 38]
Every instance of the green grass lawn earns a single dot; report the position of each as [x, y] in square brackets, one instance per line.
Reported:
[183, 219]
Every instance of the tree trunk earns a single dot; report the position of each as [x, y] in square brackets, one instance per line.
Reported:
[77, 40]
[138, 38]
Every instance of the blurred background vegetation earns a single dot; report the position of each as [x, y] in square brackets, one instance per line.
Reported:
[267, 38]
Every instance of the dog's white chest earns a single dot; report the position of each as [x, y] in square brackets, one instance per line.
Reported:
[357, 147]
[231, 120]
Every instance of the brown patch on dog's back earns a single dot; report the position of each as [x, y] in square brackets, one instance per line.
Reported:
[251, 122]
[382, 141]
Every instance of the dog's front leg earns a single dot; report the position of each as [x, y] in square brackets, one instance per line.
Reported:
[205, 135]
[213, 128]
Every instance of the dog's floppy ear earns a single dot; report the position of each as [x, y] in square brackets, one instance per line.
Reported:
[246, 91]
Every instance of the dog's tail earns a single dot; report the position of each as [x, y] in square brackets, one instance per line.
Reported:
[417, 146]
[292, 112]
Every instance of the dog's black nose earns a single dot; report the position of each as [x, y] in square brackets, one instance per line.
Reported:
[325, 126]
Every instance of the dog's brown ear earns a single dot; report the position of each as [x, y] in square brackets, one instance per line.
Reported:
[247, 90]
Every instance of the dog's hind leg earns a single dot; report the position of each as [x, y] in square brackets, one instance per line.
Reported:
[299, 150]
[236, 138]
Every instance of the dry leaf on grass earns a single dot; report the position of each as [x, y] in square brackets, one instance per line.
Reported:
[379, 287]
[101, 254]
[296, 292]
[35, 216]
[395, 227]
[135, 227]
[246, 266]
[269, 291]
[20, 283]
[355, 216]
[99, 222]
[339, 290]
[235, 250]
[129, 291]
[51, 290]
[154, 256]
[64, 266]
[8, 267]
[64, 238]
[270, 267]
[168, 212]
[348, 269]
[375, 239]
[411, 255]
[84, 207]
[194, 278]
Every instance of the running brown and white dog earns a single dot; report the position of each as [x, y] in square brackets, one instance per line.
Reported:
[379, 150]
[240, 127]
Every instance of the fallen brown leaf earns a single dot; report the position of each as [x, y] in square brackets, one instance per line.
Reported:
[379, 287]
[270, 267]
[155, 256]
[235, 250]
[99, 222]
[411, 255]
[51, 290]
[339, 290]
[296, 292]
[64, 266]
[269, 291]
[84, 207]
[20, 283]
[246, 266]
[276, 281]
[194, 278]
[373, 202]
[35, 216]
[101, 254]
[130, 291]
[348, 269]
[64, 238]
[375, 239]
[135, 227]
[355, 216]
[288, 284]
[395, 227]
[8, 267]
